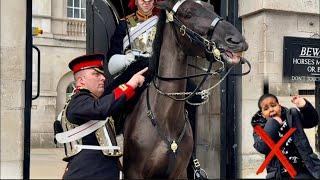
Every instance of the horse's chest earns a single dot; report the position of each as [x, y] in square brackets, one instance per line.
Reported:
[159, 151]
[158, 158]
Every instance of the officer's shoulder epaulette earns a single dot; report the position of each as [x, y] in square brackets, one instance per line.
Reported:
[81, 92]
[129, 16]
[131, 19]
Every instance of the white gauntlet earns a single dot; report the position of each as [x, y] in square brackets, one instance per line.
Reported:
[120, 62]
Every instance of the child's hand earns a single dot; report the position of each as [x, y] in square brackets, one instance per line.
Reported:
[298, 101]
[278, 119]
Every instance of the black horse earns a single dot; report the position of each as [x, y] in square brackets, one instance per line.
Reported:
[158, 139]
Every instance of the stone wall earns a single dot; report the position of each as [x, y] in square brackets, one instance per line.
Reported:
[13, 58]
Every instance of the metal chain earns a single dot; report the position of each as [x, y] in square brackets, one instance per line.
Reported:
[198, 104]
[204, 93]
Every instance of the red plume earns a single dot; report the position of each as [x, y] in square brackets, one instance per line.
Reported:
[132, 4]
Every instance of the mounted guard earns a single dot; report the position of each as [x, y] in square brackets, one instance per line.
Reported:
[133, 38]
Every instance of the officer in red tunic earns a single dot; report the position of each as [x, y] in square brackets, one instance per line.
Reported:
[90, 103]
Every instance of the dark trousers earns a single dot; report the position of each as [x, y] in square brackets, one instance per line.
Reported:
[92, 164]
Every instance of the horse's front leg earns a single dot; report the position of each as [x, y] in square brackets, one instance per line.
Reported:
[131, 173]
[183, 174]
[131, 168]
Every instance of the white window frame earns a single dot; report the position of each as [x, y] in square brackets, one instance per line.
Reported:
[74, 8]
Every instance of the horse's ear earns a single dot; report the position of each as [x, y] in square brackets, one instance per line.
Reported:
[162, 4]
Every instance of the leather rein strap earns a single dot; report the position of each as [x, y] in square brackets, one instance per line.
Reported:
[172, 144]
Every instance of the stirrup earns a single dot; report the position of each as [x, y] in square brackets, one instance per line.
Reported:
[199, 173]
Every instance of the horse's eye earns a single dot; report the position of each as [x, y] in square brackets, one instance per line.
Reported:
[187, 14]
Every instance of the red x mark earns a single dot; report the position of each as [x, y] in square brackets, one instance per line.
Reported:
[275, 150]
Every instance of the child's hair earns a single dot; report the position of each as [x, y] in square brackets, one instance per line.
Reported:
[266, 96]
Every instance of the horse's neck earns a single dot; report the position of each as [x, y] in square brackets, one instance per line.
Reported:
[172, 63]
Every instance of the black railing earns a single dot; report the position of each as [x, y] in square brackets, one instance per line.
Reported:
[28, 91]
[38, 76]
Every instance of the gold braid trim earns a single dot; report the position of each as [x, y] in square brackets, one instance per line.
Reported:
[142, 17]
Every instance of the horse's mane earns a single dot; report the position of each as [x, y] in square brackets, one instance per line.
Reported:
[156, 46]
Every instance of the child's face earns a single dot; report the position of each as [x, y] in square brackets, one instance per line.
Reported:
[270, 108]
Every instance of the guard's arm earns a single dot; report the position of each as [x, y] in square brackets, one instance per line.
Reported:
[119, 62]
[117, 40]
[84, 107]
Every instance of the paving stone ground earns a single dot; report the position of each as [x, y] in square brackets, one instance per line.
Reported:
[48, 164]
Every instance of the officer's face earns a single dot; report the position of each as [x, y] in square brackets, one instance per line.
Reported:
[93, 81]
[270, 107]
[145, 6]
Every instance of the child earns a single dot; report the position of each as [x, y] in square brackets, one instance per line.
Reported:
[276, 121]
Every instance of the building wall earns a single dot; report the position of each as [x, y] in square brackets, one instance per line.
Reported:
[265, 23]
[207, 135]
[61, 41]
[12, 73]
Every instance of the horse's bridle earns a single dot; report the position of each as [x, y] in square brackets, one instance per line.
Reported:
[206, 43]
[212, 53]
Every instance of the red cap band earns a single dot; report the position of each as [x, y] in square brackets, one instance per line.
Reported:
[87, 61]
[87, 64]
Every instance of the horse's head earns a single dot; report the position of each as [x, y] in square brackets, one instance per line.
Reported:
[206, 27]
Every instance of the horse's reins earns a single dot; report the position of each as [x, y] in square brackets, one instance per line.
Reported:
[127, 28]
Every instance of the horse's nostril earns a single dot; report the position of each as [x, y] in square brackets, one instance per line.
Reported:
[232, 40]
